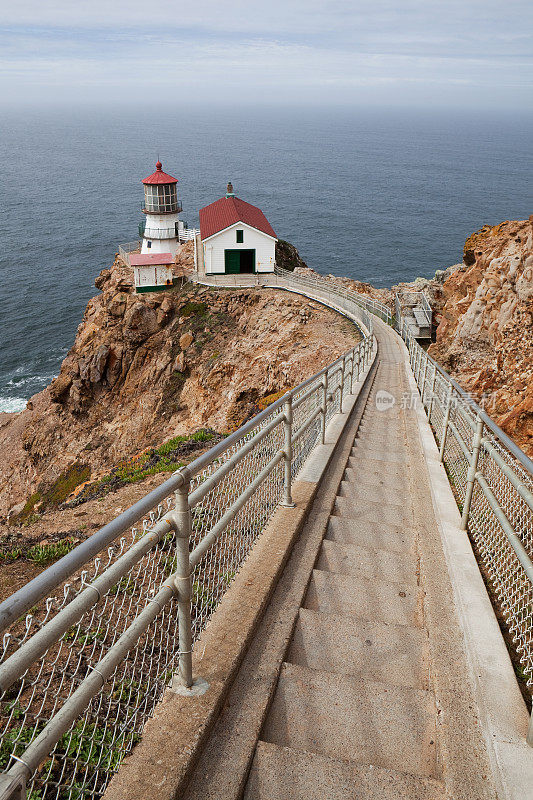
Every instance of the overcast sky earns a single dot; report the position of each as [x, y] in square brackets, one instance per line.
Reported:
[468, 53]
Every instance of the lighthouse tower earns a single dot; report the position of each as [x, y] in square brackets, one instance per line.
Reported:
[161, 229]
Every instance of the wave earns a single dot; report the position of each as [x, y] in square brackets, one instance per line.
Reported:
[11, 404]
[32, 380]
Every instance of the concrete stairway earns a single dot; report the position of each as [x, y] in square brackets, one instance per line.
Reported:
[353, 714]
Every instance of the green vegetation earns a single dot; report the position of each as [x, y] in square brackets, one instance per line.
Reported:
[44, 554]
[65, 484]
[190, 308]
[57, 493]
[168, 457]
[40, 553]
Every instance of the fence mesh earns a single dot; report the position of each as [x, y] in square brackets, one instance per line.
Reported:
[80, 765]
[499, 562]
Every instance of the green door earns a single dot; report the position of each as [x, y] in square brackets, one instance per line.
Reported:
[239, 261]
[232, 261]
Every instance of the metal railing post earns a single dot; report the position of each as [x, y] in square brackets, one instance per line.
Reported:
[529, 737]
[342, 383]
[445, 423]
[324, 407]
[472, 469]
[432, 392]
[183, 519]
[423, 385]
[287, 453]
[352, 370]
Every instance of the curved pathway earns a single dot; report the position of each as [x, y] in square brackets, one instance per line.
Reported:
[369, 697]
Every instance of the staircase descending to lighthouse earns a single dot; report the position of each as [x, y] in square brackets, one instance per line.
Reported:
[297, 613]
[354, 714]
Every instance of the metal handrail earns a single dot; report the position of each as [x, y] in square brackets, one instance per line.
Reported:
[492, 479]
[255, 464]
[192, 486]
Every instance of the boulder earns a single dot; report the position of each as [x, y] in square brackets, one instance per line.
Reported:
[117, 305]
[102, 278]
[59, 387]
[140, 322]
[98, 364]
[186, 339]
[180, 363]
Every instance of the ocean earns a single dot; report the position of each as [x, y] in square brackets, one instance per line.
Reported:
[380, 196]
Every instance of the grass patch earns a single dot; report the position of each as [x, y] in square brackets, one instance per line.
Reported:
[66, 483]
[168, 457]
[193, 309]
[40, 554]
[44, 554]
[269, 399]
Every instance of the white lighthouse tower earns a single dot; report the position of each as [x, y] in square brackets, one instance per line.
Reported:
[161, 229]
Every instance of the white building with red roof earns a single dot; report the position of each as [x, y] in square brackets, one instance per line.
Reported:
[236, 237]
[161, 230]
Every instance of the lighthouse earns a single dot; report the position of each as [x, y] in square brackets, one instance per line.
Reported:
[161, 229]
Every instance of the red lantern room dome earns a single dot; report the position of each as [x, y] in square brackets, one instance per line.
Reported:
[159, 176]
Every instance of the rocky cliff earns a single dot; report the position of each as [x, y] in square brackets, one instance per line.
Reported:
[146, 368]
[484, 310]
[485, 331]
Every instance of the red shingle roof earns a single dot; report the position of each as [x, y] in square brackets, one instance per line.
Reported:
[150, 259]
[227, 211]
[159, 176]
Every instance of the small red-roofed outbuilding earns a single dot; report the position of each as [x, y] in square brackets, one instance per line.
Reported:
[236, 237]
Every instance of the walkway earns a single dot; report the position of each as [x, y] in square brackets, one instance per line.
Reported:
[372, 699]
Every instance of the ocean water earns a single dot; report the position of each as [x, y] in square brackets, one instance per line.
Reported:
[380, 196]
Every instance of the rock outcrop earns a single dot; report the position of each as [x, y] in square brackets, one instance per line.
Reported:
[145, 368]
[485, 331]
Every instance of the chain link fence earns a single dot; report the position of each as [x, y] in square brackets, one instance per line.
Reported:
[90, 645]
[492, 480]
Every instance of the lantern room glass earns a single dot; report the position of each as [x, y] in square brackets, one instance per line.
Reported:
[161, 198]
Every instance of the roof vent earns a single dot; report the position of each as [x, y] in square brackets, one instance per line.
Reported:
[229, 190]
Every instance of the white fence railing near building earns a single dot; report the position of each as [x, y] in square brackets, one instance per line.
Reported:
[124, 250]
[319, 286]
[188, 233]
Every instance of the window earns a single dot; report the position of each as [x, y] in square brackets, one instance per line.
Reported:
[240, 237]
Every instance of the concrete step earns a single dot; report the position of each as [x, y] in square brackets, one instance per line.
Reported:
[363, 598]
[383, 433]
[363, 493]
[364, 721]
[366, 562]
[391, 654]
[379, 474]
[386, 424]
[363, 451]
[373, 534]
[379, 435]
[361, 509]
[369, 462]
[282, 773]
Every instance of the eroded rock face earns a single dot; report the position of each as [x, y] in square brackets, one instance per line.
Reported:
[144, 368]
[485, 334]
